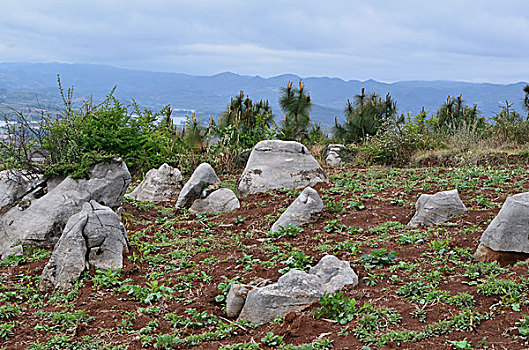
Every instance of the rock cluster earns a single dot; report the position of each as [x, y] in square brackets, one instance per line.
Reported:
[41, 220]
[202, 194]
[437, 208]
[293, 291]
[160, 185]
[277, 164]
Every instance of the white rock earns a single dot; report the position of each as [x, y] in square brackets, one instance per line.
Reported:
[437, 208]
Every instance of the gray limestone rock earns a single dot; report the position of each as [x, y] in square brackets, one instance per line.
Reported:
[334, 273]
[336, 155]
[44, 219]
[160, 185]
[220, 200]
[437, 208]
[202, 177]
[93, 237]
[14, 184]
[509, 231]
[275, 164]
[293, 291]
[306, 208]
[236, 298]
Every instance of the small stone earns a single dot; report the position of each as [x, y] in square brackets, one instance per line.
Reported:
[218, 201]
[235, 299]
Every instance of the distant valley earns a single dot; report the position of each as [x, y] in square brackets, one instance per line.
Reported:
[36, 84]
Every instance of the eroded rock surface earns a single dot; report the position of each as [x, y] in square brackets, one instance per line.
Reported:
[42, 221]
[336, 155]
[275, 164]
[306, 208]
[160, 185]
[437, 208]
[296, 290]
[220, 200]
[94, 236]
[13, 186]
[202, 178]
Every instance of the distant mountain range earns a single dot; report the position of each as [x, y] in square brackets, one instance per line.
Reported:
[209, 95]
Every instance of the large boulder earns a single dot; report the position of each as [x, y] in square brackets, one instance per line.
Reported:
[334, 273]
[277, 164]
[220, 200]
[306, 208]
[92, 237]
[509, 230]
[437, 208]
[160, 185]
[203, 177]
[336, 155]
[293, 291]
[14, 184]
[44, 219]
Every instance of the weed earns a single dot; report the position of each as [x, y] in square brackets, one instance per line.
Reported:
[378, 258]
[272, 340]
[289, 231]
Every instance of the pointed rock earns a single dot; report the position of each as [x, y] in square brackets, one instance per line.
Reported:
[160, 185]
[306, 208]
[202, 177]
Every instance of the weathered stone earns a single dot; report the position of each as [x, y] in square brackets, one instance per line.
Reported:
[277, 164]
[334, 273]
[509, 230]
[160, 185]
[293, 291]
[236, 298]
[13, 186]
[202, 177]
[306, 208]
[437, 208]
[42, 222]
[94, 237]
[220, 200]
[336, 155]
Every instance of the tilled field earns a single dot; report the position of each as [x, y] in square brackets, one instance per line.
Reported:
[418, 287]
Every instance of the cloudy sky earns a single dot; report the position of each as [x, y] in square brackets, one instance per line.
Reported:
[470, 40]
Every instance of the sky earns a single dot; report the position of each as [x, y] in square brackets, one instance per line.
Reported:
[465, 40]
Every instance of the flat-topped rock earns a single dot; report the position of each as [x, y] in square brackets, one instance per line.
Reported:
[159, 185]
[275, 164]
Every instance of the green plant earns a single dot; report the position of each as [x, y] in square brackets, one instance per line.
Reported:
[288, 232]
[334, 225]
[272, 340]
[107, 278]
[461, 344]
[378, 258]
[297, 260]
[9, 311]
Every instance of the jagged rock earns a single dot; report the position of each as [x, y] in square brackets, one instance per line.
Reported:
[160, 185]
[222, 199]
[334, 273]
[14, 184]
[306, 208]
[293, 291]
[94, 237]
[275, 164]
[336, 155]
[202, 178]
[42, 222]
[296, 290]
[437, 208]
[236, 298]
